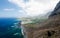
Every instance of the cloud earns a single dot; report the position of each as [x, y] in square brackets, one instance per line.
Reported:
[35, 7]
[8, 9]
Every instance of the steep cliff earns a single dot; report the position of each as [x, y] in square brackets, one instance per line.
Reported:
[48, 29]
[56, 10]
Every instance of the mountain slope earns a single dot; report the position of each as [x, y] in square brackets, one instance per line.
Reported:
[56, 10]
[48, 29]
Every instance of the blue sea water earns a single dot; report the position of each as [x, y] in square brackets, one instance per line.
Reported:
[10, 28]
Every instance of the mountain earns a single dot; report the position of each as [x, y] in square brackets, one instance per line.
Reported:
[48, 29]
[56, 10]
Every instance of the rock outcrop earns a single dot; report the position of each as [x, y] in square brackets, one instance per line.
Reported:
[56, 10]
[48, 29]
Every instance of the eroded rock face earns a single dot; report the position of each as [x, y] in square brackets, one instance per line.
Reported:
[49, 29]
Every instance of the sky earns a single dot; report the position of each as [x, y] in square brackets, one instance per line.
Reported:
[22, 8]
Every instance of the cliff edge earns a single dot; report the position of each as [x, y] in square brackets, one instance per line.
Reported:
[48, 29]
